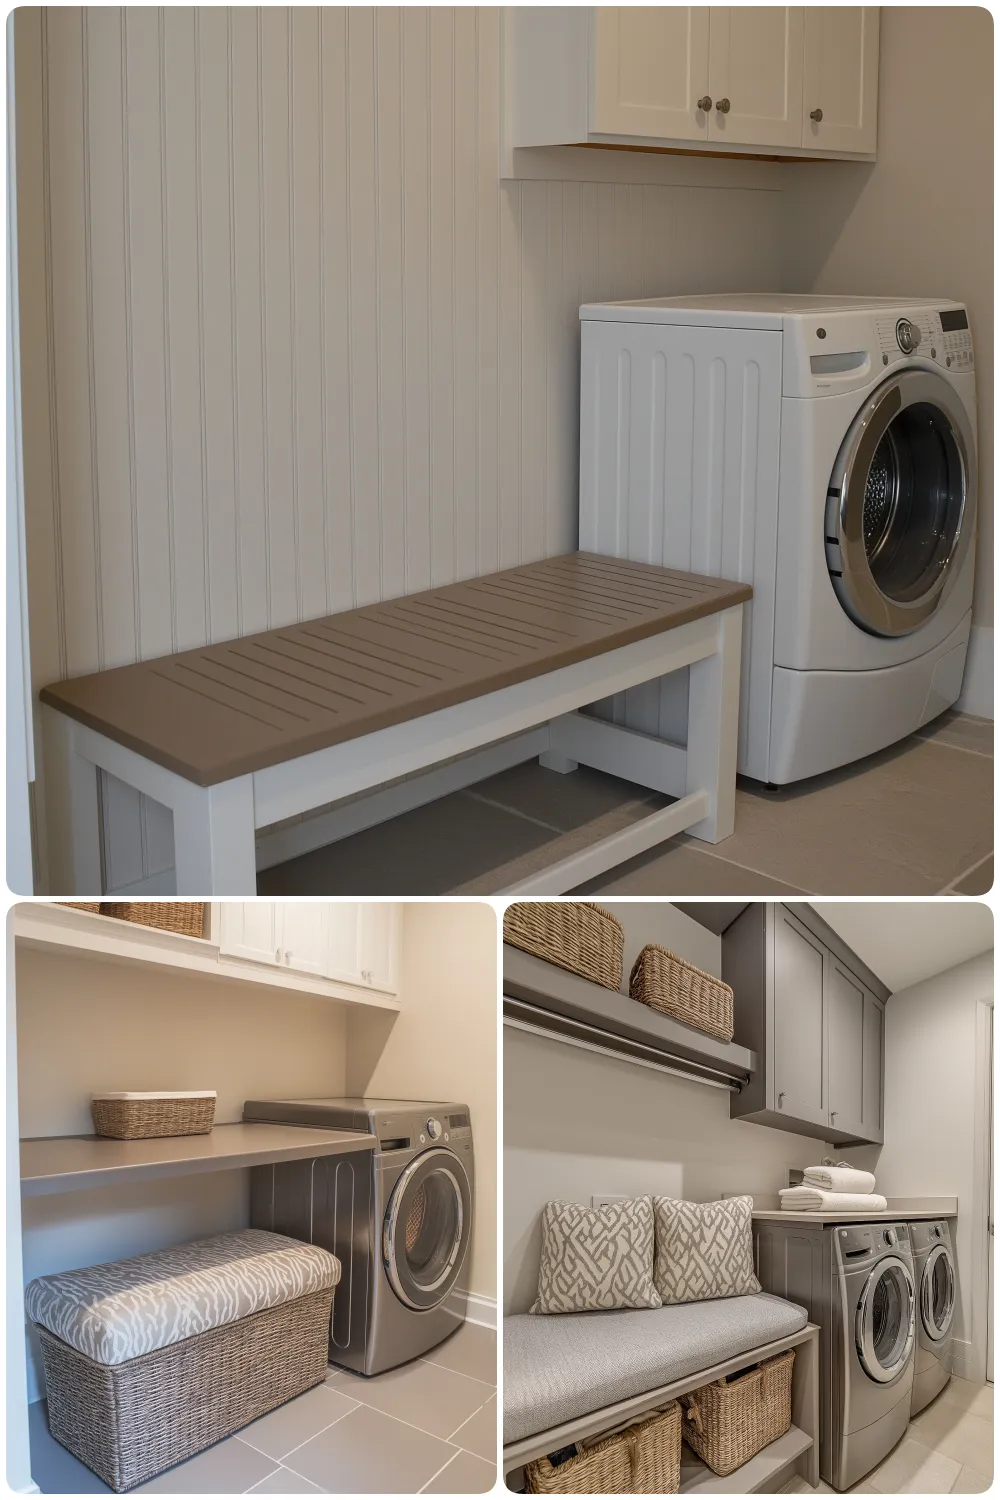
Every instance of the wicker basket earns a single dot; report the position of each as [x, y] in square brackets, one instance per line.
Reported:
[172, 916]
[140, 1117]
[670, 984]
[644, 1459]
[734, 1418]
[576, 935]
[130, 1421]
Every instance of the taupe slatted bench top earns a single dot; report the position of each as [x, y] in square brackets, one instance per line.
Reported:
[222, 711]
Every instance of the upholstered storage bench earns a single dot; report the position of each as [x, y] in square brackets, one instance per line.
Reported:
[150, 1360]
[571, 1376]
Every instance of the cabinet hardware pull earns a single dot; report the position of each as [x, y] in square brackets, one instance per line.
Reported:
[722, 105]
[277, 955]
[780, 1097]
[288, 955]
[816, 114]
[833, 1115]
[705, 102]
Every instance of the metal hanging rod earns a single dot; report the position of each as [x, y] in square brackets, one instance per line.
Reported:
[653, 1063]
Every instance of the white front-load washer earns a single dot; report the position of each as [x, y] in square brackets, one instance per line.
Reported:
[822, 449]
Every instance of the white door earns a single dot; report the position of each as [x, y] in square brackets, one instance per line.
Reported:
[840, 83]
[755, 75]
[250, 929]
[650, 69]
[304, 941]
[378, 938]
[343, 961]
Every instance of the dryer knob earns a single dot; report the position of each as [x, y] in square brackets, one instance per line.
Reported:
[890, 1236]
[434, 1129]
[907, 335]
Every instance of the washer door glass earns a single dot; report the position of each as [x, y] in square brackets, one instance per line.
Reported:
[901, 503]
[428, 1222]
[885, 1318]
[937, 1293]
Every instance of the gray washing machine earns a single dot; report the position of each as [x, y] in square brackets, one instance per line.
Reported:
[398, 1218]
[934, 1273]
[857, 1283]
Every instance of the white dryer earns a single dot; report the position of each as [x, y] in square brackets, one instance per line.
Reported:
[936, 1281]
[822, 449]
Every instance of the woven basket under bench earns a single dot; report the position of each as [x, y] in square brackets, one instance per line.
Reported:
[730, 1420]
[129, 1418]
[644, 1459]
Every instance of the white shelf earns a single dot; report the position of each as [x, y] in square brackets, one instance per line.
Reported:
[51, 928]
[751, 1478]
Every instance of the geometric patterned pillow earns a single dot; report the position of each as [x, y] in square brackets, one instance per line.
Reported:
[596, 1258]
[703, 1250]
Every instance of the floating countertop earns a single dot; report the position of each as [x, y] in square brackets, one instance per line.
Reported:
[899, 1208]
[70, 1163]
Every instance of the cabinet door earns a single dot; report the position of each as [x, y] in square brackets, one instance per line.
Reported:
[872, 1069]
[250, 929]
[650, 68]
[304, 941]
[840, 78]
[846, 1037]
[755, 62]
[798, 1086]
[378, 932]
[343, 953]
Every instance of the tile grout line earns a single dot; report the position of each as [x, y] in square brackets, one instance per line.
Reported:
[281, 1461]
[440, 1471]
[931, 739]
[695, 845]
[266, 1476]
[393, 1418]
[950, 889]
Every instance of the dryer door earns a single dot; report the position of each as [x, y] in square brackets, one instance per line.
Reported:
[937, 1293]
[427, 1228]
[884, 1322]
[901, 503]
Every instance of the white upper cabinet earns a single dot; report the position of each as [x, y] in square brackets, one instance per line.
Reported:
[250, 929]
[840, 78]
[755, 75]
[651, 71]
[769, 80]
[305, 928]
[378, 945]
[352, 942]
[343, 959]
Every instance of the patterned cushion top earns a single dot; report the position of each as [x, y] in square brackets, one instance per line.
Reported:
[124, 1308]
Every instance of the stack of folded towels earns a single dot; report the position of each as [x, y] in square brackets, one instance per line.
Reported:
[834, 1187]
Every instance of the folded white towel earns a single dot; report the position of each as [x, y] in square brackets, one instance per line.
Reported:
[815, 1199]
[839, 1179]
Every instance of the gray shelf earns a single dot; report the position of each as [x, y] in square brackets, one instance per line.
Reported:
[548, 998]
[74, 1163]
[753, 1477]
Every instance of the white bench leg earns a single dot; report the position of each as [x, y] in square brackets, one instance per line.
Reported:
[73, 815]
[214, 846]
[551, 761]
[713, 726]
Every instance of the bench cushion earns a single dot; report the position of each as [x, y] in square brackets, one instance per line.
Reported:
[558, 1368]
[239, 706]
[124, 1308]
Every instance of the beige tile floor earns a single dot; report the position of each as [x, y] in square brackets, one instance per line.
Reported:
[913, 820]
[946, 1450]
[429, 1427]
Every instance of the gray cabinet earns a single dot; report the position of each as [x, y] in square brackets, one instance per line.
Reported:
[813, 1013]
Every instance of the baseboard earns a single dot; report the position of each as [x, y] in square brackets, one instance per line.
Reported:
[977, 684]
[966, 1362]
[481, 1310]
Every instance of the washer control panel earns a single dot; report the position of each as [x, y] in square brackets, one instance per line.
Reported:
[943, 337]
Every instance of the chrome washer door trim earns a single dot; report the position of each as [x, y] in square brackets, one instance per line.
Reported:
[431, 1295]
[864, 1333]
[856, 588]
[937, 1328]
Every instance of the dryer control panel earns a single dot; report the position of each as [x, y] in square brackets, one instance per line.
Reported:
[926, 333]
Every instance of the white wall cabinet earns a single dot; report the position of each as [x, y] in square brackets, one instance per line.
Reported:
[781, 80]
[355, 942]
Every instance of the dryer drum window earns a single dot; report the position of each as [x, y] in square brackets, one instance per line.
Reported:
[426, 1231]
[885, 1321]
[938, 1293]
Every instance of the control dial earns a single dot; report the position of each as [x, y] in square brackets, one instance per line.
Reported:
[890, 1236]
[907, 335]
[434, 1129]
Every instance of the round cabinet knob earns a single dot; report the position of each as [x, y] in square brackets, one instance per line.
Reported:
[816, 114]
[907, 335]
[705, 102]
[722, 105]
[434, 1129]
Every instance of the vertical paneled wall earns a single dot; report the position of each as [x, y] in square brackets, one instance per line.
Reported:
[291, 345]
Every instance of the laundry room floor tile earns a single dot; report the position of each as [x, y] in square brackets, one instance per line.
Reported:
[479, 1433]
[284, 1482]
[970, 1482]
[977, 1399]
[685, 866]
[289, 1426]
[463, 1475]
[956, 1433]
[913, 1469]
[961, 731]
[435, 1399]
[368, 1453]
[470, 1351]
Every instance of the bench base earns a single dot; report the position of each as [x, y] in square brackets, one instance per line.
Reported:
[215, 827]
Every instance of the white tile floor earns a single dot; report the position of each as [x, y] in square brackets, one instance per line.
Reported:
[429, 1427]
[947, 1450]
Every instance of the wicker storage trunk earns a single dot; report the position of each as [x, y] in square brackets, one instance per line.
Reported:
[576, 935]
[670, 984]
[130, 1419]
[644, 1459]
[730, 1420]
[141, 1117]
[170, 916]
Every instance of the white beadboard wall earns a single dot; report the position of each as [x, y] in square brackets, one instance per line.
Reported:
[290, 344]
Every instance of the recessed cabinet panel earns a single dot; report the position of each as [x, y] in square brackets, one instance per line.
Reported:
[756, 70]
[872, 1068]
[847, 1029]
[377, 941]
[304, 928]
[343, 961]
[650, 70]
[250, 929]
[840, 78]
[799, 1024]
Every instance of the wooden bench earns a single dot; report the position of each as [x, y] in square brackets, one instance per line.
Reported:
[240, 735]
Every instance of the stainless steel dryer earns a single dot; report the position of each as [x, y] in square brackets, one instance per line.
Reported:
[856, 1281]
[934, 1272]
[398, 1218]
